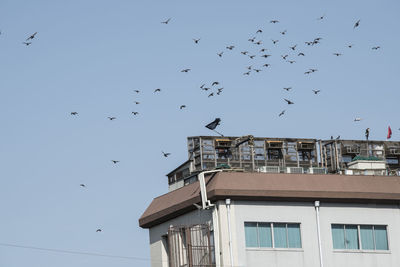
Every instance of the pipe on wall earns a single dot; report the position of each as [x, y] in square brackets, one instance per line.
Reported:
[228, 211]
[316, 205]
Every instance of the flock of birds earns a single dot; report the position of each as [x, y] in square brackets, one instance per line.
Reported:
[214, 88]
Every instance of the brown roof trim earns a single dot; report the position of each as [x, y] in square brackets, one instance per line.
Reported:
[274, 187]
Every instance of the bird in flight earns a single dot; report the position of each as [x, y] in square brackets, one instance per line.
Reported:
[357, 119]
[165, 154]
[244, 52]
[301, 54]
[230, 47]
[166, 22]
[259, 31]
[135, 113]
[266, 65]
[115, 161]
[307, 72]
[263, 50]
[350, 45]
[214, 83]
[284, 32]
[376, 47]
[31, 37]
[313, 70]
[205, 88]
[196, 41]
[157, 90]
[98, 230]
[202, 85]
[210, 95]
[252, 56]
[220, 90]
[265, 55]
[252, 39]
[257, 70]
[321, 18]
[293, 47]
[316, 91]
[258, 42]
[220, 54]
[287, 88]
[246, 73]
[74, 113]
[82, 185]
[288, 101]
[185, 70]
[282, 112]
[136, 91]
[182, 107]
[284, 56]
[291, 61]
[274, 41]
[274, 21]
[337, 54]
[249, 67]
[26, 43]
[356, 24]
[137, 103]
[111, 118]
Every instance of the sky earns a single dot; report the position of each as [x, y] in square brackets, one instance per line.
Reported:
[90, 56]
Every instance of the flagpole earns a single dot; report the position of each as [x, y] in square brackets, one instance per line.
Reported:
[218, 133]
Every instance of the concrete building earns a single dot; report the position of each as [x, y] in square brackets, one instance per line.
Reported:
[236, 217]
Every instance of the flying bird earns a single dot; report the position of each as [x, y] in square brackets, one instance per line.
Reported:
[182, 107]
[220, 90]
[355, 26]
[210, 95]
[135, 113]
[274, 41]
[313, 70]
[258, 42]
[246, 73]
[274, 21]
[283, 32]
[166, 22]
[282, 112]
[252, 56]
[263, 50]
[185, 70]
[265, 55]
[288, 101]
[259, 31]
[220, 54]
[230, 47]
[252, 39]
[98, 230]
[202, 85]
[136, 91]
[284, 56]
[111, 118]
[357, 119]
[316, 91]
[244, 52]
[266, 65]
[27, 43]
[300, 54]
[157, 90]
[137, 103]
[337, 54]
[321, 18]
[165, 154]
[376, 47]
[249, 67]
[291, 61]
[257, 70]
[214, 83]
[205, 88]
[74, 113]
[82, 185]
[293, 47]
[350, 46]
[115, 161]
[31, 37]
[287, 88]
[196, 41]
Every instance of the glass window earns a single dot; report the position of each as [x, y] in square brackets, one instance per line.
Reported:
[338, 236]
[280, 238]
[381, 241]
[265, 237]
[250, 229]
[367, 237]
[294, 239]
[351, 234]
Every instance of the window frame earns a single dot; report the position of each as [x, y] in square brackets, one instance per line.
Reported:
[360, 247]
[273, 246]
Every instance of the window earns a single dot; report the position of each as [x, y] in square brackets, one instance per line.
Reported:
[356, 237]
[272, 235]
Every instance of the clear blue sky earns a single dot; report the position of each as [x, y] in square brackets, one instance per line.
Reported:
[90, 56]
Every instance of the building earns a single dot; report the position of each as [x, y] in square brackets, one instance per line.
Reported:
[221, 214]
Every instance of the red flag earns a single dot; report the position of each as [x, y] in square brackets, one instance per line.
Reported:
[389, 133]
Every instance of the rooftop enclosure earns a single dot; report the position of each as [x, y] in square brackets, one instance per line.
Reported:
[285, 155]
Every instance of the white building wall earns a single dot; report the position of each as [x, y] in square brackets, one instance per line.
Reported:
[308, 255]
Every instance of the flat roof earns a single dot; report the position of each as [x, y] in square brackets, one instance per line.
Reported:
[274, 186]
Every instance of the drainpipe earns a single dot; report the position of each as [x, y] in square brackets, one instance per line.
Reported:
[216, 229]
[228, 209]
[316, 204]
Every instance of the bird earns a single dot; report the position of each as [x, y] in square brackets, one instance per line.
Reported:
[135, 113]
[313, 70]
[291, 61]
[185, 70]
[307, 72]
[337, 54]
[265, 55]
[31, 37]
[74, 113]
[115, 161]
[205, 88]
[356, 24]
[284, 56]
[98, 230]
[263, 50]
[338, 137]
[308, 43]
[301, 54]
[244, 52]
[157, 90]
[82, 185]
[249, 67]
[137, 103]
[214, 83]
[252, 56]
[282, 112]
[320, 18]
[196, 41]
[210, 95]
[350, 45]
[259, 31]
[283, 32]
[357, 119]
[220, 90]
[165, 154]
[266, 65]
[246, 73]
[111, 118]
[257, 70]
[136, 91]
[252, 39]
[27, 43]
[376, 47]
[230, 47]
[287, 88]
[202, 85]
[220, 54]
[274, 21]
[316, 91]
[293, 47]
[258, 42]
[288, 101]
[166, 22]
[182, 107]
[274, 41]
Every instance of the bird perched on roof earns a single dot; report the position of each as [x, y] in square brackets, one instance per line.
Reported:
[166, 22]
[196, 41]
[356, 24]
[316, 91]
[157, 90]
[288, 101]
[185, 70]
[182, 107]
[282, 112]
[114, 161]
[111, 118]
[74, 113]
[31, 37]
[165, 154]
